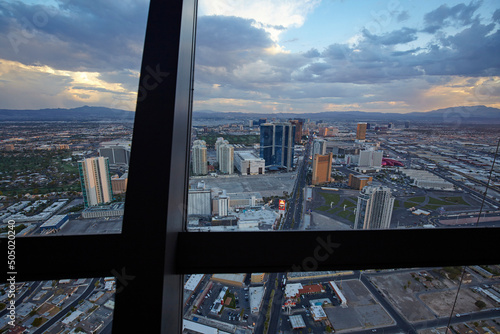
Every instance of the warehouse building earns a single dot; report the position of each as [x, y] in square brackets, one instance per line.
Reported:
[54, 223]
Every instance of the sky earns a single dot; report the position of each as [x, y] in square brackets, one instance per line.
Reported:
[260, 56]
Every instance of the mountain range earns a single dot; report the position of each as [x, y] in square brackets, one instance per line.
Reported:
[472, 114]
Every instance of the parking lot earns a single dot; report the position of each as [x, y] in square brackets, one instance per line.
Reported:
[267, 185]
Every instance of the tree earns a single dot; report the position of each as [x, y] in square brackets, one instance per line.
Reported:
[37, 322]
[480, 304]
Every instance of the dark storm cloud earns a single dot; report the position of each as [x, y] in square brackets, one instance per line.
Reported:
[77, 35]
[444, 16]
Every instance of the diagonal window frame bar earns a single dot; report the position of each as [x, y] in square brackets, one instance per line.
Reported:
[154, 250]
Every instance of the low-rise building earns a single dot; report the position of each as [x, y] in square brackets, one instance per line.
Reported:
[247, 163]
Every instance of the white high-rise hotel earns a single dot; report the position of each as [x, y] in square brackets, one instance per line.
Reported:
[95, 181]
[374, 209]
[225, 155]
[199, 157]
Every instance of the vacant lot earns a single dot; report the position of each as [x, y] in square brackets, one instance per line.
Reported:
[401, 290]
[441, 302]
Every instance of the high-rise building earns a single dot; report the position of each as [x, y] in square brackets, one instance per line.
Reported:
[199, 157]
[374, 209]
[319, 147]
[95, 181]
[370, 158]
[226, 158]
[322, 168]
[298, 129]
[277, 144]
[407, 125]
[361, 132]
[220, 141]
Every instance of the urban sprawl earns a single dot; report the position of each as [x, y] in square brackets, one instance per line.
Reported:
[265, 174]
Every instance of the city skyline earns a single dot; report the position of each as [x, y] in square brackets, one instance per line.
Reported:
[380, 59]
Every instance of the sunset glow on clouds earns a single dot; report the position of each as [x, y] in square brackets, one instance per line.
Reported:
[260, 56]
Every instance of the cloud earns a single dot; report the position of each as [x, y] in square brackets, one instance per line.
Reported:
[403, 16]
[273, 16]
[471, 52]
[402, 36]
[444, 16]
[312, 53]
[228, 41]
[75, 35]
[496, 16]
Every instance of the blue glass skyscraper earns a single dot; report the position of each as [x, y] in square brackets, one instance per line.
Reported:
[276, 144]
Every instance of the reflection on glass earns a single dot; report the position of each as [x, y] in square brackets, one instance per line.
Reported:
[68, 76]
[307, 104]
[393, 301]
[68, 305]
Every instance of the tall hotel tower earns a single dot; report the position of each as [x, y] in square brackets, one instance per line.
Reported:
[361, 132]
[276, 144]
[199, 157]
[226, 158]
[374, 209]
[96, 181]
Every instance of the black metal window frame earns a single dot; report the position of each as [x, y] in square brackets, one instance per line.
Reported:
[154, 250]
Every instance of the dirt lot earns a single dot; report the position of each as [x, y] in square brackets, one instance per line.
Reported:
[46, 307]
[441, 302]
[404, 299]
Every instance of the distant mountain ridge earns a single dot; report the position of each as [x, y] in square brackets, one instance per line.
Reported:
[84, 113]
[475, 114]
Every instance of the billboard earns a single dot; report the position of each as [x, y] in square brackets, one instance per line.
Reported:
[282, 205]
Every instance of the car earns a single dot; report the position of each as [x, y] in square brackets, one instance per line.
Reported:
[457, 315]
[374, 330]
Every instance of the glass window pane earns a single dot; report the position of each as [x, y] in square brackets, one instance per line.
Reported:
[356, 116]
[69, 78]
[396, 300]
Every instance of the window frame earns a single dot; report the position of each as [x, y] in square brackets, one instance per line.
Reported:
[154, 249]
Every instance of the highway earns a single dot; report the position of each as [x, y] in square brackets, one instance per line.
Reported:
[293, 216]
[259, 327]
[443, 322]
[279, 295]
